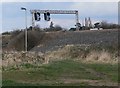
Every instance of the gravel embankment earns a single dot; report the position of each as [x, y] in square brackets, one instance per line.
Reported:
[94, 37]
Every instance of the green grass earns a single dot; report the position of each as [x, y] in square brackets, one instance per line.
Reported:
[110, 70]
[13, 83]
[52, 73]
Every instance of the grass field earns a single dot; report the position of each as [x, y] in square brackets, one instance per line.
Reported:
[62, 73]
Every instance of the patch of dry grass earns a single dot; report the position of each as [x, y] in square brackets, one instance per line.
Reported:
[100, 57]
[82, 53]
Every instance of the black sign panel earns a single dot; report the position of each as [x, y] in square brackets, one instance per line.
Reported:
[37, 16]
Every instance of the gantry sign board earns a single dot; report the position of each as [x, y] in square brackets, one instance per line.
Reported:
[36, 15]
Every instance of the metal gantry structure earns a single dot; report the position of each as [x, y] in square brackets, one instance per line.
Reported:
[77, 24]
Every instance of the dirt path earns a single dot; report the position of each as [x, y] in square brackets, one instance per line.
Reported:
[69, 81]
[90, 82]
[97, 74]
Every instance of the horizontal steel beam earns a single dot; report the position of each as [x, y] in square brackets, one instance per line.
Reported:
[55, 11]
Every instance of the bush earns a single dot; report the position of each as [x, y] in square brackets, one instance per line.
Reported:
[34, 38]
[56, 28]
[6, 33]
[15, 33]
[72, 29]
[106, 25]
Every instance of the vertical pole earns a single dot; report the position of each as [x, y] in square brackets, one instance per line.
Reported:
[86, 22]
[26, 31]
[77, 21]
[22, 8]
[32, 20]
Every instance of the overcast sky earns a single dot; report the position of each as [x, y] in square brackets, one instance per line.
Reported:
[14, 18]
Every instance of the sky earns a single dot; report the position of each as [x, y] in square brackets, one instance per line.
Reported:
[14, 18]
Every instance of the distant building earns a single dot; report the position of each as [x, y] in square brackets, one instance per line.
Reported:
[88, 22]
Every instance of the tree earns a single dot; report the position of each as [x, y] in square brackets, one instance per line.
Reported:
[106, 25]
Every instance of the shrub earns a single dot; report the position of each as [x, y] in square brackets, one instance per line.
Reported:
[56, 28]
[15, 33]
[106, 25]
[6, 33]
